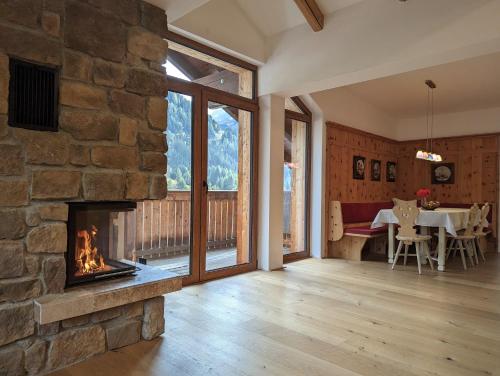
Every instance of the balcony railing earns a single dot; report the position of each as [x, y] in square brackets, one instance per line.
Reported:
[162, 228]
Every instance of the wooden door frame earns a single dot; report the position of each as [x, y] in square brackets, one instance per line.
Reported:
[305, 117]
[201, 95]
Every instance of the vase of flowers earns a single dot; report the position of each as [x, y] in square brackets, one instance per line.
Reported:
[422, 194]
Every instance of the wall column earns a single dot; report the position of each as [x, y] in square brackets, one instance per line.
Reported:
[270, 206]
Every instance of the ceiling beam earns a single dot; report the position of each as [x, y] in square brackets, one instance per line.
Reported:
[312, 13]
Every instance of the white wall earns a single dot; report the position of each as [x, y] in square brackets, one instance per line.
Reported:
[271, 157]
[378, 38]
[343, 107]
[450, 125]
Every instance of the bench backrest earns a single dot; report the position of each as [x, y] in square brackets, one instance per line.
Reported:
[360, 212]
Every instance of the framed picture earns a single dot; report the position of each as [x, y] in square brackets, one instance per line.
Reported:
[376, 169]
[358, 167]
[443, 173]
[391, 171]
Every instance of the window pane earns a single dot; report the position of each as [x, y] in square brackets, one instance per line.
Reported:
[190, 65]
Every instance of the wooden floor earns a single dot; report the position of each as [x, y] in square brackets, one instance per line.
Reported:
[325, 317]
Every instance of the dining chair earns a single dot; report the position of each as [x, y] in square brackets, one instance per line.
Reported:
[482, 229]
[465, 241]
[407, 212]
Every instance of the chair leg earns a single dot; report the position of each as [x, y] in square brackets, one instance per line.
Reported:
[474, 250]
[460, 244]
[417, 248]
[450, 247]
[478, 246]
[400, 246]
[469, 253]
[428, 254]
[406, 254]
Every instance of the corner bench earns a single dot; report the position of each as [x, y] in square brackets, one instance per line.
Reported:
[349, 229]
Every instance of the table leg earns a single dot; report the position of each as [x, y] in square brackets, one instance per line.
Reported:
[391, 243]
[441, 249]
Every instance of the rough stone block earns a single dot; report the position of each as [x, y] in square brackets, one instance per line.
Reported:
[35, 357]
[56, 6]
[32, 265]
[54, 212]
[79, 155]
[133, 310]
[23, 12]
[4, 128]
[106, 315]
[103, 186]
[14, 192]
[51, 23]
[54, 274]
[153, 323]
[13, 223]
[80, 95]
[128, 104]
[157, 113]
[17, 322]
[147, 45]
[11, 361]
[44, 148]
[30, 46]
[16, 290]
[48, 238]
[117, 157]
[109, 74]
[89, 126]
[48, 329]
[122, 334]
[75, 321]
[77, 66]
[127, 10]
[11, 258]
[94, 32]
[11, 160]
[4, 83]
[128, 131]
[158, 187]
[152, 141]
[154, 19]
[154, 162]
[137, 186]
[75, 345]
[147, 83]
[55, 184]
[33, 216]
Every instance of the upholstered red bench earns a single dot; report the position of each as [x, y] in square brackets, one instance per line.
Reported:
[349, 229]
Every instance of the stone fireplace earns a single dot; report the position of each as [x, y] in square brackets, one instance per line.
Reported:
[106, 146]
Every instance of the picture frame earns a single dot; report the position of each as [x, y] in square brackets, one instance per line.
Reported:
[391, 171]
[443, 173]
[376, 169]
[358, 167]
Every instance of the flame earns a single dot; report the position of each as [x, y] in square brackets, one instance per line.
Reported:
[88, 258]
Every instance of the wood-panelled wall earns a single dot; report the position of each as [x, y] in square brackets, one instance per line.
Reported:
[476, 169]
[342, 144]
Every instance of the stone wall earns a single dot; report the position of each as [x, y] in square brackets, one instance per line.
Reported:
[110, 146]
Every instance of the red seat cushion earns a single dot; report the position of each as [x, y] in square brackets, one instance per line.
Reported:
[358, 212]
[366, 230]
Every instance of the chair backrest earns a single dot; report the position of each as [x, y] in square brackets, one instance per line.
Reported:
[406, 212]
[473, 219]
[485, 211]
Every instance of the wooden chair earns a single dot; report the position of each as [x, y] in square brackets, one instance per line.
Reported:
[407, 212]
[482, 230]
[466, 240]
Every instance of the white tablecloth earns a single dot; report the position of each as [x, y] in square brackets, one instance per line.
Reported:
[452, 219]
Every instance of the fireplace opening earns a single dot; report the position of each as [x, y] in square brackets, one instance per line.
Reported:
[98, 234]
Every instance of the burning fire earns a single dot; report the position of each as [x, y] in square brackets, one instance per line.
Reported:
[88, 258]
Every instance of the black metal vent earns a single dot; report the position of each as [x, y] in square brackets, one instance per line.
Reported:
[33, 96]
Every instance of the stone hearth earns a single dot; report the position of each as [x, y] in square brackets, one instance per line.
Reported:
[109, 146]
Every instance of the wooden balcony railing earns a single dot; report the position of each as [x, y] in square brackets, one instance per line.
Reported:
[163, 227]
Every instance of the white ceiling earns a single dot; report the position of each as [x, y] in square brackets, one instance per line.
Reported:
[275, 16]
[461, 86]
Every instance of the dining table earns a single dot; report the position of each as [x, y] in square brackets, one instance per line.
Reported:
[447, 220]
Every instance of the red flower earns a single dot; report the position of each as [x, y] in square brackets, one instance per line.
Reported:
[423, 192]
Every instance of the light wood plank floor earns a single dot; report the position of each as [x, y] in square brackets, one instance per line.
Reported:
[325, 317]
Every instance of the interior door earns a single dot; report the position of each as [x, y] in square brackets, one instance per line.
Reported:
[228, 180]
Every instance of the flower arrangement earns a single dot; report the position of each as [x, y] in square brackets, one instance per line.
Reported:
[423, 193]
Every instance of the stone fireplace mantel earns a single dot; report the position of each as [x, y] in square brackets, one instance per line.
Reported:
[93, 297]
